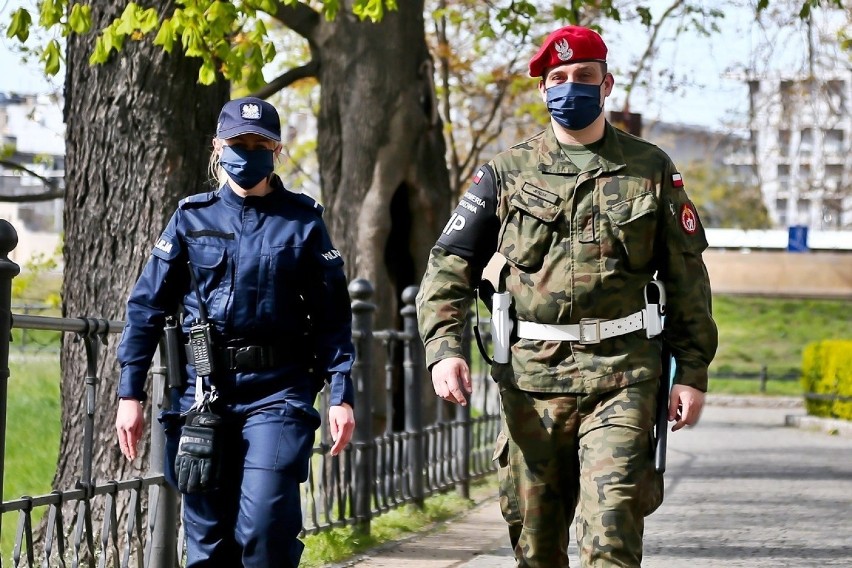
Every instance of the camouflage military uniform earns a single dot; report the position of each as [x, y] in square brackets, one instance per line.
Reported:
[577, 417]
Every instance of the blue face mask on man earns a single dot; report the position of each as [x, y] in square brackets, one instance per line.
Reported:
[247, 167]
[574, 105]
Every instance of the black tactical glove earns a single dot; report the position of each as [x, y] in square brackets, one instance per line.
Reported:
[197, 462]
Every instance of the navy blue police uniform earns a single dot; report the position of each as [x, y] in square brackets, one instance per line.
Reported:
[274, 288]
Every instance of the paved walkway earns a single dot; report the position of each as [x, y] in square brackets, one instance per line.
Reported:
[743, 489]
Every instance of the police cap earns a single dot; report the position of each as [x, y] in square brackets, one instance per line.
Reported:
[249, 115]
[570, 44]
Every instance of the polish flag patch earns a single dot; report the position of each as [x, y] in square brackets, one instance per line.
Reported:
[478, 177]
[677, 180]
[688, 219]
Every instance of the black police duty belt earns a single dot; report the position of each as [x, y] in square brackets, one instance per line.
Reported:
[244, 358]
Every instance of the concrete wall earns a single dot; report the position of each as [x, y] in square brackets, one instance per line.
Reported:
[813, 274]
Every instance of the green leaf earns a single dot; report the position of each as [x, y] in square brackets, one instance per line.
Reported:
[50, 13]
[207, 73]
[20, 26]
[99, 54]
[166, 36]
[80, 19]
[762, 5]
[51, 57]
[148, 20]
[644, 15]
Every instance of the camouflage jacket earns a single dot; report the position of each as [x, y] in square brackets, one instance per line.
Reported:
[579, 244]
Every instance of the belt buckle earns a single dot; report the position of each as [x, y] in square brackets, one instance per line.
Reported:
[590, 337]
[248, 358]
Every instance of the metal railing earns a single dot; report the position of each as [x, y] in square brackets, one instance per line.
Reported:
[375, 474]
[763, 376]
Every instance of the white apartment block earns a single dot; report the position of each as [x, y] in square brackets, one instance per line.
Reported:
[801, 149]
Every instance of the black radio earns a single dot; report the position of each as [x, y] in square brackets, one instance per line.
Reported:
[200, 335]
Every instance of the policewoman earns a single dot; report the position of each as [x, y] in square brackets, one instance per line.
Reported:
[274, 292]
[573, 233]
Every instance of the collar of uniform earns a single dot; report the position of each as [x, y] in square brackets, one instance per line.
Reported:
[230, 197]
[552, 160]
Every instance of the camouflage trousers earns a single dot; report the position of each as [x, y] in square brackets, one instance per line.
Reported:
[592, 454]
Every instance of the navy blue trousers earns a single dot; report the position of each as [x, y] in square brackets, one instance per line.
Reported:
[255, 517]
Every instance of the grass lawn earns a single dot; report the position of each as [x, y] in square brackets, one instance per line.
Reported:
[32, 434]
[771, 332]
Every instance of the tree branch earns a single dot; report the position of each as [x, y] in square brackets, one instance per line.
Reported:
[649, 49]
[55, 192]
[32, 198]
[300, 18]
[310, 69]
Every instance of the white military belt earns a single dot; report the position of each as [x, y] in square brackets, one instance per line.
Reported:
[588, 331]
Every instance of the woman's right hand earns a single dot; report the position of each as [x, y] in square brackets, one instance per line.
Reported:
[129, 423]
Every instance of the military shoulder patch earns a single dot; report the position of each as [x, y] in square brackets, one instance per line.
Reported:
[677, 180]
[688, 219]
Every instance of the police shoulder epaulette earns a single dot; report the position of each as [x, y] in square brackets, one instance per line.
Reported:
[197, 200]
[307, 201]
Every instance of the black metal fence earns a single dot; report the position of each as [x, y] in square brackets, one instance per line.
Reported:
[764, 376]
[375, 474]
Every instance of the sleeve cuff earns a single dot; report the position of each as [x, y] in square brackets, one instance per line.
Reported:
[443, 347]
[132, 385]
[342, 390]
[694, 376]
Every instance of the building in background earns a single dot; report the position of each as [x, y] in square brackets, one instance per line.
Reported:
[801, 148]
[32, 134]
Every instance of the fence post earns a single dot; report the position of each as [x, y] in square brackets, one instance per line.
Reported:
[8, 270]
[764, 377]
[164, 534]
[362, 326]
[413, 371]
[463, 422]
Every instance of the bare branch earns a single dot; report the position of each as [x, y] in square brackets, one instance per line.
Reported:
[310, 69]
[48, 182]
[649, 50]
[32, 198]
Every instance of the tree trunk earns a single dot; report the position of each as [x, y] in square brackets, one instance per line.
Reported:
[139, 132]
[382, 155]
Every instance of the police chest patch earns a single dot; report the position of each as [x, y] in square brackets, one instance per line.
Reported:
[164, 246]
[688, 219]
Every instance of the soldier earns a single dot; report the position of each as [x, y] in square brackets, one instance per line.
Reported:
[272, 284]
[569, 229]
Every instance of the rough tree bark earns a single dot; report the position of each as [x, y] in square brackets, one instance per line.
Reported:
[381, 150]
[138, 139]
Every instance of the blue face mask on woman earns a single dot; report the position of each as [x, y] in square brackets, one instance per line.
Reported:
[247, 167]
[574, 105]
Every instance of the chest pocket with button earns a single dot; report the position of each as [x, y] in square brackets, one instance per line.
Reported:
[210, 264]
[529, 229]
[634, 224]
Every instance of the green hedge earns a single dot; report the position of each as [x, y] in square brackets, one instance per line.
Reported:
[827, 372]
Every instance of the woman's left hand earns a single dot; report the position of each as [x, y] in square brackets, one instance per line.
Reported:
[341, 424]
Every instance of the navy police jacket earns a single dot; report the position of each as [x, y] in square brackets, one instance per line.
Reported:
[268, 275]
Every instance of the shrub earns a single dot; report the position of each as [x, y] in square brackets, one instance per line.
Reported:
[827, 373]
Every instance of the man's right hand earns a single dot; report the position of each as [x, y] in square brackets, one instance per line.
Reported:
[451, 380]
[129, 423]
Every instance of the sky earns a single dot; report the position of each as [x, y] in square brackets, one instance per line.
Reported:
[708, 70]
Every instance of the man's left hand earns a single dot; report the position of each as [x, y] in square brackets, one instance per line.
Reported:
[685, 404]
[341, 424]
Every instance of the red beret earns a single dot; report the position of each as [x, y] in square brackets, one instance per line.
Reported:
[568, 45]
